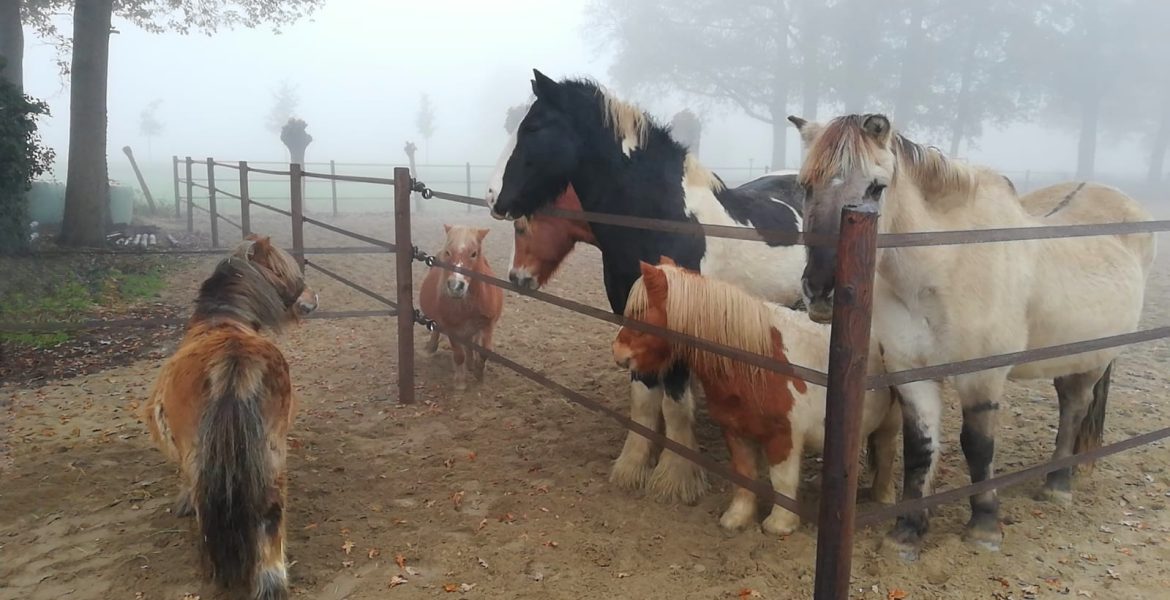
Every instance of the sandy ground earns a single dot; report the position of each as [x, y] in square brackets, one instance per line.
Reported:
[502, 491]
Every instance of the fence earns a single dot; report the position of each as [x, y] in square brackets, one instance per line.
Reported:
[845, 379]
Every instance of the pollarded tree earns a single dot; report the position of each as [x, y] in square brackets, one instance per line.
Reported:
[87, 186]
[425, 122]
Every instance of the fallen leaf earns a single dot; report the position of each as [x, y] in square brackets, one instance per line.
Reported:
[397, 580]
[1085, 593]
[508, 518]
[748, 593]
[1052, 582]
[344, 531]
[191, 597]
[1004, 582]
[551, 544]
[347, 546]
[413, 572]
[457, 499]
[896, 594]
[374, 553]
[1113, 574]
[483, 563]
[471, 456]
[310, 526]
[482, 524]
[347, 563]
[1125, 551]
[400, 560]
[466, 587]
[450, 587]
[622, 575]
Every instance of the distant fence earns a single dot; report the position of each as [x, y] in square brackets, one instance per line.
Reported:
[846, 380]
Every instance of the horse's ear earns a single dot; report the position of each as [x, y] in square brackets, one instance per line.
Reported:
[666, 260]
[246, 248]
[877, 126]
[544, 87]
[446, 228]
[655, 281]
[808, 129]
[797, 121]
[481, 233]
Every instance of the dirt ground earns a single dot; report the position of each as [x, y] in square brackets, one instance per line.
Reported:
[502, 491]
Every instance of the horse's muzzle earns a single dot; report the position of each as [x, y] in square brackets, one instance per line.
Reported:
[523, 280]
[306, 305]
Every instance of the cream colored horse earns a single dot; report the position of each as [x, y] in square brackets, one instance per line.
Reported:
[936, 304]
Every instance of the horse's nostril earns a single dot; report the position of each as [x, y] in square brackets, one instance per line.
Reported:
[513, 278]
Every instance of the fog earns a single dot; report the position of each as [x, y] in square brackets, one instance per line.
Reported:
[360, 66]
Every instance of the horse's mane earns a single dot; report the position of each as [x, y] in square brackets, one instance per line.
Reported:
[714, 310]
[843, 146]
[255, 285]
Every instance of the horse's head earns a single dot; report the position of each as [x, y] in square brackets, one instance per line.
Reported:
[540, 156]
[639, 351]
[541, 243]
[849, 161]
[464, 249]
[281, 271]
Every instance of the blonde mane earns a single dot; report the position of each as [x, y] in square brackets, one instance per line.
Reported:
[627, 121]
[844, 146]
[713, 310]
[697, 175]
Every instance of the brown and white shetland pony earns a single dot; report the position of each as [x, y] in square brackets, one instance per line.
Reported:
[935, 304]
[758, 410]
[540, 243]
[462, 306]
[221, 408]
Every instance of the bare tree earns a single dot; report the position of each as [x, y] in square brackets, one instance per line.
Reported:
[424, 121]
[149, 125]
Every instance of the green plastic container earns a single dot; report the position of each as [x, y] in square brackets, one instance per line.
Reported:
[46, 203]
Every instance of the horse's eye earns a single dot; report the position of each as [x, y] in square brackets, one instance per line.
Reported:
[474, 253]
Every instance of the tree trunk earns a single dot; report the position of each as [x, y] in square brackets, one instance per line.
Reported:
[1161, 141]
[87, 189]
[861, 30]
[1087, 145]
[811, 65]
[906, 98]
[966, 75]
[11, 43]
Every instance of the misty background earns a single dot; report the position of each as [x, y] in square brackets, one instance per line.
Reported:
[357, 72]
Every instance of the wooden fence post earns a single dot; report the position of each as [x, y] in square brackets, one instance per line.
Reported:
[190, 198]
[141, 180]
[404, 273]
[211, 202]
[333, 185]
[296, 200]
[245, 203]
[175, 172]
[467, 175]
[848, 356]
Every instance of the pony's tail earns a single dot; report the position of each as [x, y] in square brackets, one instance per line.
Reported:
[234, 482]
[871, 452]
[1091, 434]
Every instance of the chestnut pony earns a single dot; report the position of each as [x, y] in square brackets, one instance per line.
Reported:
[462, 306]
[541, 242]
[221, 408]
[756, 408]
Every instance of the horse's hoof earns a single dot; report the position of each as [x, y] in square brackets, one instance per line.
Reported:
[884, 496]
[1060, 497]
[781, 522]
[906, 551]
[981, 537]
[629, 475]
[183, 506]
[736, 520]
[677, 480]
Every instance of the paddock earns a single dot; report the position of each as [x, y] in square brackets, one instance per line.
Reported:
[502, 491]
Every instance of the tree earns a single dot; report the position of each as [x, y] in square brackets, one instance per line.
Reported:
[149, 125]
[424, 121]
[285, 101]
[514, 116]
[87, 187]
[11, 44]
[22, 158]
[686, 127]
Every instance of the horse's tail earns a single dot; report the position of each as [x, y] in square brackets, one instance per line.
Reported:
[235, 489]
[1091, 434]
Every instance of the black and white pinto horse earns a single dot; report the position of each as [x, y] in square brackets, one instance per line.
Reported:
[621, 162]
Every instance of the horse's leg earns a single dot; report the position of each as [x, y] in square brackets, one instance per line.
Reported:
[676, 478]
[458, 359]
[785, 476]
[485, 340]
[885, 451]
[980, 394]
[433, 344]
[632, 467]
[272, 575]
[184, 501]
[1076, 395]
[921, 421]
[742, 510]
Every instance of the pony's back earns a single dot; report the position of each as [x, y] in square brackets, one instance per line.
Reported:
[1083, 203]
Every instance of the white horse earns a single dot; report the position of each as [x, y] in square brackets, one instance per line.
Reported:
[935, 304]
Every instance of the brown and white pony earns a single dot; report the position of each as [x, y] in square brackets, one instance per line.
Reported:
[221, 408]
[936, 304]
[758, 410]
[540, 243]
[462, 306]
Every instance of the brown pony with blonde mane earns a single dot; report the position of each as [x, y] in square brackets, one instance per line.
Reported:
[221, 409]
[758, 409]
[939, 304]
[542, 242]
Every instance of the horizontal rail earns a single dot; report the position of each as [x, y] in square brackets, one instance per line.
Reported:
[350, 283]
[1012, 234]
[459, 198]
[758, 360]
[199, 185]
[197, 207]
[196, 251]
[1014, 358]
[1003, 481]
[357, 236]
[229, 221]
[761, 489]
[57, 326]
[228, 194]
[350, 178]
[271, 208]
[235, 166]
[252, 169]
